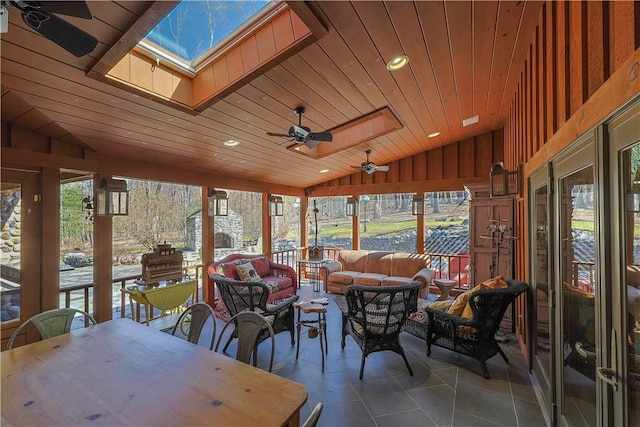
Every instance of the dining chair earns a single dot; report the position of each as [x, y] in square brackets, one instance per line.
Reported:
[314, 416]
[51, 323]
[249, 326]
[239, 296]
[191, 322]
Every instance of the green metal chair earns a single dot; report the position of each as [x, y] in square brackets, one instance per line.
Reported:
[249, 326]
[191, 322]
[51, 323]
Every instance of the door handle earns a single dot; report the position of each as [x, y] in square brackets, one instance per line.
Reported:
[610, 375]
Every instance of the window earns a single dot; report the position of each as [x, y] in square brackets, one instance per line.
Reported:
[194, 30]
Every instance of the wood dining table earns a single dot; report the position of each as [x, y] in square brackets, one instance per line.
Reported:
[121, 373]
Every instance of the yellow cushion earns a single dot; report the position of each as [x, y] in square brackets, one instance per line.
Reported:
[459, 303]
[441, 305]
[493, 283]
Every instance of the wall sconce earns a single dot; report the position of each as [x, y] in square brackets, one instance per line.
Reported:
[352, 206]
[112, 198]
[276, 206]
[502, 182]
[218, 203]
[417, 204]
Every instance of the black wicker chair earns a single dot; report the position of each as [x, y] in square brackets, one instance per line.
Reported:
[474, 337]
[374, 316]
[241, 296]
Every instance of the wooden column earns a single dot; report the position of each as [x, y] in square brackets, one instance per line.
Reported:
[355, 226]
[266, 225]
[304, 226]
[420, 234]
[49, 297]
[208, 245]
[102, 256]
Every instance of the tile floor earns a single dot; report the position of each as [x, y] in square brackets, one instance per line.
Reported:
[447, 389]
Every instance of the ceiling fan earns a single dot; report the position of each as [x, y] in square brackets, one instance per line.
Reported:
[40, 16]
[302, 134]
[370, 167]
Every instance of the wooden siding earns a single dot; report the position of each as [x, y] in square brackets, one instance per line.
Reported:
[444, 168]
[582, 65]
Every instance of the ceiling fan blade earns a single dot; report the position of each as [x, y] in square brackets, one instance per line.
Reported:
[321, 136]
[279, 134]
[312, 143]
[382, 168]
[62, 33]
[70, 8]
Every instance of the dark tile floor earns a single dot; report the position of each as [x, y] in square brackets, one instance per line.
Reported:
[447, 389]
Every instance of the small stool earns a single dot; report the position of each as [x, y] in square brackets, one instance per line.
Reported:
[320, 324]
[445, 286]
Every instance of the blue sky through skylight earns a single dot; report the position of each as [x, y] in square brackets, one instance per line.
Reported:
[193, 27]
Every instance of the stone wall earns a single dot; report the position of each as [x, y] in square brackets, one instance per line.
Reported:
[230, 225]
[10, 232]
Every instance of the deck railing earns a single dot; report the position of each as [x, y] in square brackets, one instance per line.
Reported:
[81, 296]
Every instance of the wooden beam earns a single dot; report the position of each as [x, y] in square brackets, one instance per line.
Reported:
[453, 184]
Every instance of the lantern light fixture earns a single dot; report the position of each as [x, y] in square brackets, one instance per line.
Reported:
[218, 203]
[112, 198]
[417, 204]
[352, 208]
[502, 182]
[276, 206]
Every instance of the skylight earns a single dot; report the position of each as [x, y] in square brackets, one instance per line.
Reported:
[194, 27]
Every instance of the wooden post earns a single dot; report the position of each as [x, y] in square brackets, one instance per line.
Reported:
[266, 225]
[208, 246]
[304, 226]
[102, 256]
[355, 226]
[420, 234]
[50, 297]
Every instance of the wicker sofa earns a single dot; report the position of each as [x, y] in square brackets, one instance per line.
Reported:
[376, 268]
[280, 279]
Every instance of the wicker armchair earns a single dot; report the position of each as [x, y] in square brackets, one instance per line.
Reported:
[374, 316]
[474, 337]
[252, 296]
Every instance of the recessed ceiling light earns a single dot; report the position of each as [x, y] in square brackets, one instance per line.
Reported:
[471, 120]
[231, 143]
[397, 62]
[324, 171]
[433, 135]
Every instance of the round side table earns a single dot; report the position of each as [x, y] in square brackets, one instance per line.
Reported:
[445, 286]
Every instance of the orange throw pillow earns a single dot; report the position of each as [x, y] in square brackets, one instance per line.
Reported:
[493, 283]
[459, 303]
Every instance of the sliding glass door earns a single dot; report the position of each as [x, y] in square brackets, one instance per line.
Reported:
[621, 373]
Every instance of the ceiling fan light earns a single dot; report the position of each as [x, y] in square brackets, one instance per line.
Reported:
[397, 62]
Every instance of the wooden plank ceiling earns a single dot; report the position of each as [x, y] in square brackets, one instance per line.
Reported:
[465, 59]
